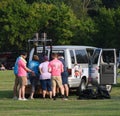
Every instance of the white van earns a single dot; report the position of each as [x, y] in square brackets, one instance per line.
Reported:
[83, 67]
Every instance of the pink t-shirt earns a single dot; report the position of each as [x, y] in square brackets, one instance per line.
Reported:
[56, 67]
[44, 67]
[21, 67]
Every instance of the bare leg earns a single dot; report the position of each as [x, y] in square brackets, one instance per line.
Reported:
[23, 91]
[20, 96]
[50, 94]
[15, 87]
[44, 93]
[31, 96]
[66, 90]
[62, 90]
[54, 91]
[15, 90]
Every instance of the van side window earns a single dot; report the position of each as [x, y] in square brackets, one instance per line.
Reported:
[72, 56]
[81, 56]
[95, 56]
[108, 56]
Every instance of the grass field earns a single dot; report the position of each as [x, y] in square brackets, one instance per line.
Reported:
[40, 107]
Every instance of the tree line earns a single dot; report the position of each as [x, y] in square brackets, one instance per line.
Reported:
[66, 22]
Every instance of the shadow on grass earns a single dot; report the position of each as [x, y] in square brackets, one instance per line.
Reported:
[6, 94]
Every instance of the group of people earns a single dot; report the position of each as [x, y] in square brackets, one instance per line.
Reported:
[51, 75]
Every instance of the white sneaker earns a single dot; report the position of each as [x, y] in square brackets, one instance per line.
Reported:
[65, 99]
[31, 98]
[24, 99]
[20, 99]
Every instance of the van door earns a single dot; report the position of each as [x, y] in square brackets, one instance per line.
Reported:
[108, 66]
[103, 66]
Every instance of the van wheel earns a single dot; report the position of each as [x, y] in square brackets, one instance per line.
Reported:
[109, 88]
[82, 86]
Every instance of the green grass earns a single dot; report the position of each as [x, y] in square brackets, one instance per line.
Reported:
[40, 107]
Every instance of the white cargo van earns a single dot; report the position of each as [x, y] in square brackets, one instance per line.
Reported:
[84, 67]
[76, 59]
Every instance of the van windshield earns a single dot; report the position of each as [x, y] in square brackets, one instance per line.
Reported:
[61, 52]
[41, 55]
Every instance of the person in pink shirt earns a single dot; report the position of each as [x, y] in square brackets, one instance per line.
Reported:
[22, 75]
[56, 68]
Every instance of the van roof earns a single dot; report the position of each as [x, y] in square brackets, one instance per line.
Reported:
[69, 47]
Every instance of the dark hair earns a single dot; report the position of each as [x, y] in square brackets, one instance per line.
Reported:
[23, 53]
[45, 58]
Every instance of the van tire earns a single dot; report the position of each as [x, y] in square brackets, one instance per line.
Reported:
[81, 87]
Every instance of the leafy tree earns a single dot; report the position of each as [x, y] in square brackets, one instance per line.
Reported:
[62, 24]
[85, 32]
[58, 22]
[45, 1]
[105, 36]
[111, 3]
[117, 30]
[18, 22]
[82, 7]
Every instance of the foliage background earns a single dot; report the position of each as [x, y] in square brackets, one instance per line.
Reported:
[78, 22]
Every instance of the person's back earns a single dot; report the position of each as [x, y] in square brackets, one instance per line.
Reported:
[63, 62]
[34, 79]
[64, 76]
[44, 69]
[16, 66]
[45, 78]
[22, 67]
[56, 67]
[33, 65]
[16, 83]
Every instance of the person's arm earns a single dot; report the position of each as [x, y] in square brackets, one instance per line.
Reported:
[26, 68]
[49, 68]
[62, 68]
[40, 69]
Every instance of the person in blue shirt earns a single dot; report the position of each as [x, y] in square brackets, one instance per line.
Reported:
[16, 83]
[34, 79]
[64, 76]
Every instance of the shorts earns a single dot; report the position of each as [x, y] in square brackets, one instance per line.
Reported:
[22, 81]
[46, 84]
[34, 82]
[56, 80]
[64, 78]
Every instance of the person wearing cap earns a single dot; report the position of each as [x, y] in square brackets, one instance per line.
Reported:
[22, 75]
[45, 78]
[64, 75]
[34, 79]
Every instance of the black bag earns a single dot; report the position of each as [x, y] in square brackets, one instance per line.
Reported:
[87, 94]
[102, 93]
